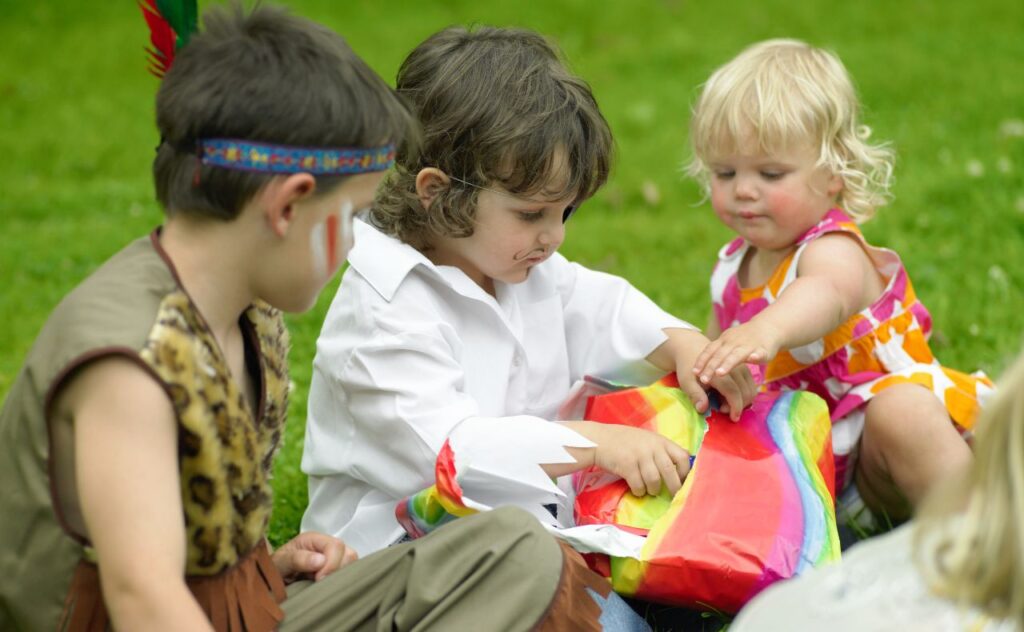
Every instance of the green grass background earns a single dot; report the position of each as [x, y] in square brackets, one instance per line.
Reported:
[941, 79]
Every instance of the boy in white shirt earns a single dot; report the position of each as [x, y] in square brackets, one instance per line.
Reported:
[458, 316]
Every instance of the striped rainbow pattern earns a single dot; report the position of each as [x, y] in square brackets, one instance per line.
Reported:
[758, 505]
[436, 505]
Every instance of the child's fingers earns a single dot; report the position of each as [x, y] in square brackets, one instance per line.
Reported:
[728, 388]
[747, 385]
[758, 356]
[733, 359]
[700, 364]
[334, 554]
[693, 390]
[668, 471]
[714, 364]
[348, 557]
[680, 458]
[652, 476]
[635, 480]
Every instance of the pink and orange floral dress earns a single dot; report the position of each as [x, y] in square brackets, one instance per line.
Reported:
[883, 345]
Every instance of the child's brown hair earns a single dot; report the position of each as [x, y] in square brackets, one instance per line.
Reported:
[497, 107]
[263, 76]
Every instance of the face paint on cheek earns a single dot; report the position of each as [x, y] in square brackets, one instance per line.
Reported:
[348, 238]
[332, 240]
[318, 247]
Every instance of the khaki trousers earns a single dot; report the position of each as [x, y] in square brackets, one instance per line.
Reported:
[497, 570]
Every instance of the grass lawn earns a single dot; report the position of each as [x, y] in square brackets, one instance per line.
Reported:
[941, 79]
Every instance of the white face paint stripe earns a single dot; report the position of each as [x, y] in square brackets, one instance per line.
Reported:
[318, 245]
[331, 240]
[348, 239]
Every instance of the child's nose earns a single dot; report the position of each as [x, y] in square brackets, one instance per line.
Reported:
[553, 234]
[746, 187]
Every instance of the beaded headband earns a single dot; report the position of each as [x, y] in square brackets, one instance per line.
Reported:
[244, 155]
[171, 25]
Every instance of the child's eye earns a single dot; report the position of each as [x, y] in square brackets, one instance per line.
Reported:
[724, 174]
[772, 175]
[530, 216]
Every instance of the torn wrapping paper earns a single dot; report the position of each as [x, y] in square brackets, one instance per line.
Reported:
[488, 462]
[757, 506]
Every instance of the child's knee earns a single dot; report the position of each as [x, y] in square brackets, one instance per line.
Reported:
[905, 412]
[509, 522]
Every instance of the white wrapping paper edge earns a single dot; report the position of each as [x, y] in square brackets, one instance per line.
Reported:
[497, 463]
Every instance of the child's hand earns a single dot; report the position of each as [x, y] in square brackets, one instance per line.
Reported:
[752, 342]
[312, 555]
[684, 347]
[643, 458]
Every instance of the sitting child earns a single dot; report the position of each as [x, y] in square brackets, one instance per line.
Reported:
[457, 312]
[136, 443]
[778, 142]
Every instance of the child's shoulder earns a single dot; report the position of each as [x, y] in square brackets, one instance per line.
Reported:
[835, 221]
[113, 310]
[120, 298]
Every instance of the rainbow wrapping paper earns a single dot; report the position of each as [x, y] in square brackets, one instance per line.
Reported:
[436, 505]
[757, 506]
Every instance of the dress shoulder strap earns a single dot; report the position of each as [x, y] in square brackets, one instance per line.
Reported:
[834, 221]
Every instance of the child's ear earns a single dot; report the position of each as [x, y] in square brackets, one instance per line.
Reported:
[429, 183]
[835, 185]
[281, 196]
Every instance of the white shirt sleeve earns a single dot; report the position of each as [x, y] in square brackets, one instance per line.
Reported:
[610, 326]
[396, 401]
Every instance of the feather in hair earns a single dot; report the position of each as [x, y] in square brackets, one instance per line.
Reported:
[171, 24]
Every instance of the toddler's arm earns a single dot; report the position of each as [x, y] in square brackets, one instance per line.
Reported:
[835, 280]
[126, 466]
[612, 328]
[679, 353]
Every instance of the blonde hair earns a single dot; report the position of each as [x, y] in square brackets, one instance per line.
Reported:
[787, 93]
[977, 557]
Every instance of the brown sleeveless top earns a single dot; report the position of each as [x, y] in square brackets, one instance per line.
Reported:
[134, 306]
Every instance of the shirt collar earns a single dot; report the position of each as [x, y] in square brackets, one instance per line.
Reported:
[383, 260]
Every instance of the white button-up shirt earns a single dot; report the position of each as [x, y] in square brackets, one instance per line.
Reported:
[409, 350]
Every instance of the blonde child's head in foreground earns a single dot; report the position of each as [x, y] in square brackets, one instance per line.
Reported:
[777, 141]
[977, 557]
[512, 143]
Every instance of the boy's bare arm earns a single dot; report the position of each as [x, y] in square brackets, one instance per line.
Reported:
[126, 469]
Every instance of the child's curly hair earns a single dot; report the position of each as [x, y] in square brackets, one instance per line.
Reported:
[497, 107]
[783, 93]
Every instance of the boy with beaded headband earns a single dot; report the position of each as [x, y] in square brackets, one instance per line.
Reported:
[778, 143]
[137, 440]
